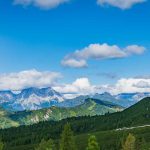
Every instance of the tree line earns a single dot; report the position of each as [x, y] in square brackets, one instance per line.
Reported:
[67, 142]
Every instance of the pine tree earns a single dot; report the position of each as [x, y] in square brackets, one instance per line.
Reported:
[1, 145]
[92, 143]
[129, 143]
[46, 145]
[141, 144]
[144, 145]
[67, 141]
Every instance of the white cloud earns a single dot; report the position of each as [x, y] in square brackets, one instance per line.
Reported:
[135, 49]
[80, 86]
[29, 78]
[45, 4]
[74, 63]
[123, 4]
[100, 51]
[130, 85]
[142, 84]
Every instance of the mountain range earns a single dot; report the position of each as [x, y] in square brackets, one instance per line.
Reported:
[33, 105]
[30, 99]
[124, 99]
[35, 99]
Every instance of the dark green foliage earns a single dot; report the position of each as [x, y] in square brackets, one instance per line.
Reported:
[67, 139]
[108, 140]
[92, 144]
[46, 145]
[141, 144]
[28, 137]
[1, 145]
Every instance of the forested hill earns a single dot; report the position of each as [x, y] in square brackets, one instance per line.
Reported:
[90, 107]
[139, 114]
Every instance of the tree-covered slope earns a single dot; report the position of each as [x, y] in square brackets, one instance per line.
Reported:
[26, 137]
[5, 121]
[91, 107]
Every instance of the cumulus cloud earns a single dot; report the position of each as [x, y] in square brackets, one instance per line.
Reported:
[29, 78]
[122, 4]
[134, 49]
[142, 84]
[45, 4]
[80, 86]
[74, 63]
[130, 85]
[79, 58]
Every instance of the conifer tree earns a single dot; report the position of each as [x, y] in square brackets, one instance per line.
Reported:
[67, 141]
[141, 144]
[129, 143]
[46, 145]
[1, 145]
[92, 144]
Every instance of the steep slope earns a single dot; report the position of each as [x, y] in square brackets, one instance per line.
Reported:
[30, 99]
[91, 107]
[129, 99]
[73, 102]
[5, 121]
[6, 96]
[138, 114]
[81, 99]
[124, 99]
[35, 98]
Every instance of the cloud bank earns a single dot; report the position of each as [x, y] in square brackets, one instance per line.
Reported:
[48, 4]
[81, 86]
[131, 85]
[28, 78]
[122, 4]
[44, 4]
[79, 58]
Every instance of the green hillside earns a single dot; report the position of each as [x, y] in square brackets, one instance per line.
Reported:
[91, 107]
[112, 140]
[5, 121]
[26, 137]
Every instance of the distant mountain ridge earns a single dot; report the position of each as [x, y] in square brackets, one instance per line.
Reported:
[30, 99]
[35, 98]
[6, 96]
[124, 99]
[128, 99]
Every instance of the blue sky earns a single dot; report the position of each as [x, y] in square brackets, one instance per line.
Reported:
[32, 37]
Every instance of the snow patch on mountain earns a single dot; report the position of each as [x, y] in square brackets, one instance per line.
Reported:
[30, 99]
